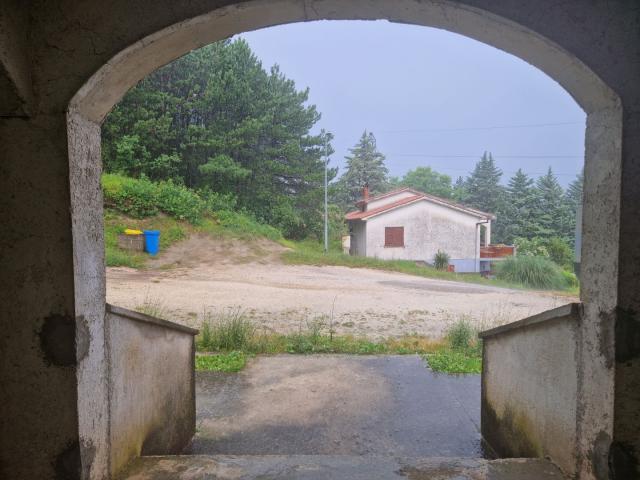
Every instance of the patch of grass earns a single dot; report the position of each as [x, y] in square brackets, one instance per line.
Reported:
[463, 352]
[222, 362]
[454, 362]
[232, 331]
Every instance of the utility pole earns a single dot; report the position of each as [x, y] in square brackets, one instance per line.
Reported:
[326, 206]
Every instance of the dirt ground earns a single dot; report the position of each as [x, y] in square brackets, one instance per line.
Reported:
[201, 275]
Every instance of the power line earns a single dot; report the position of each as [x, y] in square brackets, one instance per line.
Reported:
[510, 172]
[430, 155]
[482, 128]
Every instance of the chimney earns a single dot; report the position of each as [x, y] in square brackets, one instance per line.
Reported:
[365, 193]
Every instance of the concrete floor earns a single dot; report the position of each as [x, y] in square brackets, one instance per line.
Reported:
[340, 417]
[338, 405]
[337, 467]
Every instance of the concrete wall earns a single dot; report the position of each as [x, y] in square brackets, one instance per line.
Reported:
[428, 227]
[530, 387]
[152, 386]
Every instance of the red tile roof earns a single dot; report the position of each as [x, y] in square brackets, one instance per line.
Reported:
[359, 215]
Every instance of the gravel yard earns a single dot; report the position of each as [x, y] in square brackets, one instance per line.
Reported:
[199, 275]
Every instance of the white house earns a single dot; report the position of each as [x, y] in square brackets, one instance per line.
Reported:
[409, 225]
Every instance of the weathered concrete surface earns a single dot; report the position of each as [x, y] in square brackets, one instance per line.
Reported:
[337, 467]
[590, 48]
[16, 94]
[529, 388]
[338, 405]
[151, 388]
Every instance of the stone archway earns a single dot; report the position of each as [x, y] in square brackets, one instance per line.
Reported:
[67, 63]
[602, 172]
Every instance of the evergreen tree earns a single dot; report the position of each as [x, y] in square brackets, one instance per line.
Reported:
[518, 214]
[482, 188]
[573, 199]
[427, 180]
[216, 119]
[365, 166]
[553, 218]
[573, 194]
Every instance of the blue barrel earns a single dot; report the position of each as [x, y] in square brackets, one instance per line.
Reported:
[151, 241]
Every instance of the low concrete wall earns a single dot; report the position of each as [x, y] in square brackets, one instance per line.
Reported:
[152, 386]
[529, 387]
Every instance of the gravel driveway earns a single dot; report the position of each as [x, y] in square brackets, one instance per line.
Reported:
[285, 298]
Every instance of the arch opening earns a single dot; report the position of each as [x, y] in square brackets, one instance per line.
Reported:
[97, 97]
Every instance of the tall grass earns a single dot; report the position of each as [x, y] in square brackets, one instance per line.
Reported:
[533, 272]
[226, 331]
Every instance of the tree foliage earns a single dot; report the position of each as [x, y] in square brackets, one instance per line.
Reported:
[216, 119]
[426, 180]
[365, 166]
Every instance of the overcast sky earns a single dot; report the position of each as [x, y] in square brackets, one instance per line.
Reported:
[431, 97]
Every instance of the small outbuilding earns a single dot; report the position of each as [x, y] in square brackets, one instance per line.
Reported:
[406, 224]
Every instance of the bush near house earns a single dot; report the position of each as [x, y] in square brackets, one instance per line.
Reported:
[441, 260]
[532, 272]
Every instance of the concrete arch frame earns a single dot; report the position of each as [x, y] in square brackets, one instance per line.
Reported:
[67, 63]
[95, 99]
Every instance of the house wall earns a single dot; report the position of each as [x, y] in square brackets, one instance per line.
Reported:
[358, 238]
[530, 387]
[387, 200]
[152, 388]
[427, 228]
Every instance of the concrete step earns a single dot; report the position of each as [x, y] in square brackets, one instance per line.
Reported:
[336, 467]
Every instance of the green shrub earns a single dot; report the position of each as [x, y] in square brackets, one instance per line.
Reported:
[180, 202]
[218, 201]
[140, 198]
[571, 279]
[461, 335]
[137, 198]
[441, 260]
[534, 272]
[554, 248]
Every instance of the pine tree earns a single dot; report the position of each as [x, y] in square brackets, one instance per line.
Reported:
[365, 166]
[551, 210]
[216, 119]
[518, 215]
[573, 199]
[483, 189]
